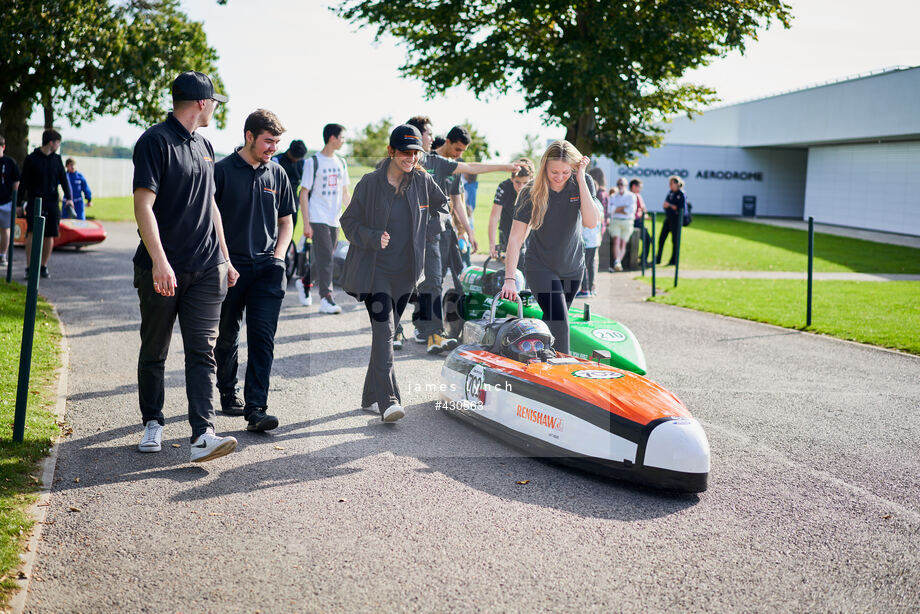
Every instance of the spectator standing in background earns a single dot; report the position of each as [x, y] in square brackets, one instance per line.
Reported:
[79, 188]
[592, 238]
[635, 186]
[674, 202]
[470, 186]
[325, 192]
[42, 173]
[9, 181]
[621, 211]
[292, 163]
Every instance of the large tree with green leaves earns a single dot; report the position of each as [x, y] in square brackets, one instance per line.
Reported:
[608, 71]
[85, 58]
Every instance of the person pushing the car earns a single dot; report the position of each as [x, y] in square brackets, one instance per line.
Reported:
[553, 208]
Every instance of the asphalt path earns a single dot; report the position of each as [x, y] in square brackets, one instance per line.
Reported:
[813, 505]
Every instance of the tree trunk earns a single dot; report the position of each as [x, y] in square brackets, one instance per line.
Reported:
[580, 133]
[49, 112]
[14, 126]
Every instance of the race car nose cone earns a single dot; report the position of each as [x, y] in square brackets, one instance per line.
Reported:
[678, 445]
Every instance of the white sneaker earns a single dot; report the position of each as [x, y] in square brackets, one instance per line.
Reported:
[617, 266]
[209, 446]
[327, 305]
[303, 293]
[374, 408]
[153, 437]
[393, 413]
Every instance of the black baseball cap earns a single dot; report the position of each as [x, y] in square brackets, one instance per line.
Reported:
[194, 85]
[406, 137]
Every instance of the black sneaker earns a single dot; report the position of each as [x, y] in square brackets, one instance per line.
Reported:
[231, 404]
[43, 272]
[398, 339]
[260, 421]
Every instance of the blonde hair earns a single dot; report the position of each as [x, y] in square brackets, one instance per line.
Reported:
[538, 188]
[677, 180]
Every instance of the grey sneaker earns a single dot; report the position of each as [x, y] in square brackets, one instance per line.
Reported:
[152, 439]
[209, 446]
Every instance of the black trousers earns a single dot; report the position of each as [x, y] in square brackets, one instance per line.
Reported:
[670, 227]
[257, 293]
[196, 303]
[555, 294]
[385, 306]
[428, 317]
[325, 238]
[587, 280]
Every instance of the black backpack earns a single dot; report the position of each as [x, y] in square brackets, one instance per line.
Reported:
[688, 214]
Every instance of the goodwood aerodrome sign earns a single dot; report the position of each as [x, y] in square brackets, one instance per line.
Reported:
[723, 175]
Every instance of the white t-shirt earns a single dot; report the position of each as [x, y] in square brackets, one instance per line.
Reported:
[626, 199]
[327, 191]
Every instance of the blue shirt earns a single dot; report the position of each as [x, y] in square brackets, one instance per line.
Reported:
[78, 186]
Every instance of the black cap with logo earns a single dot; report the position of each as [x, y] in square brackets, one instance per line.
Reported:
[193, 85]
[406, 137]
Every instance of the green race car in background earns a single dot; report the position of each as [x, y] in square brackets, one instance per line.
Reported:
[588, 332]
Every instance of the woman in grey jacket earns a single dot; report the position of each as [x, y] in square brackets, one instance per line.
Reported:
[386, 224]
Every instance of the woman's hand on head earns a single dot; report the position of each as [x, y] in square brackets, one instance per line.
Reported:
[583, 166]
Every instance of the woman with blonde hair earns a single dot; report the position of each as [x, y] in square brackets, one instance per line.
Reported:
[551, 210]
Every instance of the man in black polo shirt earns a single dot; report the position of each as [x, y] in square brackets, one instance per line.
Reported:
[256, 202]
[181, 267]
[9, 182]
[42, 173]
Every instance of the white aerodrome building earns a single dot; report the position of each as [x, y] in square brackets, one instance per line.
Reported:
[846, 153]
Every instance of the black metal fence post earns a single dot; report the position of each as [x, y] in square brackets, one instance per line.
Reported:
[653, 254]
[9, 255]
[677, 241]
[28, 325]
[811, 259]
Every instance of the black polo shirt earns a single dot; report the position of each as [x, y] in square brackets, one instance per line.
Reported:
[251, 200]
[9, 174]
[505, 197]
[293, 169]
[179, 167]
[557, 246]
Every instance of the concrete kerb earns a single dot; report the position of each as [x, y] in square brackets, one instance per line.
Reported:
[39, 509]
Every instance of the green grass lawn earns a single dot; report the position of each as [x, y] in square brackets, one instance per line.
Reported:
[880, 313]
[18, 481]
[717, 243]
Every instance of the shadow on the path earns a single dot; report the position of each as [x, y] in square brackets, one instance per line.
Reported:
[496, 471]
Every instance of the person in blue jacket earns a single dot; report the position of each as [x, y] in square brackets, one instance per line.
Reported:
[80, 189]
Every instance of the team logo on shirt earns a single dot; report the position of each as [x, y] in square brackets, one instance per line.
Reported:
[574, 199]
[207, 159]
[269, 190]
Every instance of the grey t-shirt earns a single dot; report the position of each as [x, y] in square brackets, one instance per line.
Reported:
[557, 245]
[441, 170]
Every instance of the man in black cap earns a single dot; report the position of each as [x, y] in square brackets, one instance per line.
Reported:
[256, 204]
[182, 266]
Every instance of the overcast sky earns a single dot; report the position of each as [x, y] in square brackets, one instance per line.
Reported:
[311, 68]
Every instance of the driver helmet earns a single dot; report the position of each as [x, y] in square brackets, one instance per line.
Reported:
[526, 339]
